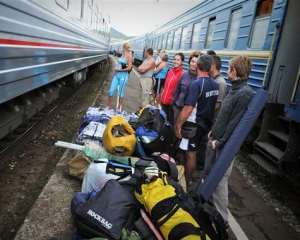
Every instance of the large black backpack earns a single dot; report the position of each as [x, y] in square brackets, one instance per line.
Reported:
[105, 215]
[153, 131]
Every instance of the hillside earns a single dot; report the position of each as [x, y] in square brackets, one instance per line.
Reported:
[116, 36]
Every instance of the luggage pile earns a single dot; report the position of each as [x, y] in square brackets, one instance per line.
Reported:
[131, 186]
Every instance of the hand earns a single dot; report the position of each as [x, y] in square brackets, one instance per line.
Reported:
[209, 135]
[117, 69]
[213, 144]
[177, 131]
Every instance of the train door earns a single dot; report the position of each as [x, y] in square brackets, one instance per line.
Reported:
[287, 58]
[277, 147]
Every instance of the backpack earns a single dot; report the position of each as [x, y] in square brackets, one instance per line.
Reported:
[153, 131]
[165, 201]
[105, 215]
[177, 214]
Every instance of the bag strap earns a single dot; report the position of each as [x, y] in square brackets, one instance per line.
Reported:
[170, 214]
[113, 165]
[218, 221]
[183, 230]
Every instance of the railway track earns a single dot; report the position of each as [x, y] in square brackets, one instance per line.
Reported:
[29, 163]
[13, 142]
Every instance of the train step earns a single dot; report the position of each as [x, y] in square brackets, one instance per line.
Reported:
[264, 163]
[284, 119]
[280, 135]
[269, 150]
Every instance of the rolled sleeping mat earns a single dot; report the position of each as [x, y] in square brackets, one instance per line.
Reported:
[235, 141]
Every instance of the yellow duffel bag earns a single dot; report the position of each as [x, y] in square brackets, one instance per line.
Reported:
[170, 209]
[119, 137]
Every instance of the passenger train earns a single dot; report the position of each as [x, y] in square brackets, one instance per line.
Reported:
[268, 32]
[42, 42]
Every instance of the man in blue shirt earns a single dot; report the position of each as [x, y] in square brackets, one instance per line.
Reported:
[197, 114]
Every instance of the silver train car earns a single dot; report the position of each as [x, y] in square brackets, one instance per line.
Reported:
[268, 32]
[42, 42]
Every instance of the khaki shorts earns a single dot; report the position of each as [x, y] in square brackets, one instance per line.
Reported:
[146, 84]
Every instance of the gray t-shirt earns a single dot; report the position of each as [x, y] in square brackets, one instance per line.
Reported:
[222, 92]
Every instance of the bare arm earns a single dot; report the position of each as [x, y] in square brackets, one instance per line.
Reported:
[160, 67]
[129, 65]
[145, 67]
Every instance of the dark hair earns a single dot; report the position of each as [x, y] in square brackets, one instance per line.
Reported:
[211, 52]
[180, 55]
[150, 51]
[204, 62]
[217, 61]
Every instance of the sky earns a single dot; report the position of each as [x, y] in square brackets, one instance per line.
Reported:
[136, 17]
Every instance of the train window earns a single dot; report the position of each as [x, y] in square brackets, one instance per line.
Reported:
[103, 27]
[99, 28]
[159, 42]
[176, 38]
[210, 32]
[264, 7]
[233, 28]
[170, 40]
[95, 19]
[63, 3]
[79, 9]
[89, 15]
[261, 23]
[162, 41]
[165, 40]
[195, 36]
[183, 37]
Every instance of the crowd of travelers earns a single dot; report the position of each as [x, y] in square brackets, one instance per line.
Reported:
[196, 100]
